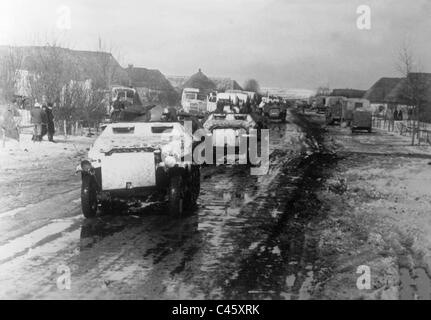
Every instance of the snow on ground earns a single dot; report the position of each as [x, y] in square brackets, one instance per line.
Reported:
[35, 173]
[380, 216]
[26, 150]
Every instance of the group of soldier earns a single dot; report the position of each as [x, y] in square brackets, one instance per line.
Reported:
[43, 120]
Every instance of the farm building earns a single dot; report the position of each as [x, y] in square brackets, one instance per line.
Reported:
[414, 89]
[199, 81]
[65, 65]
[221, 84]
[224, 84]
[152, 86]
[378, 92]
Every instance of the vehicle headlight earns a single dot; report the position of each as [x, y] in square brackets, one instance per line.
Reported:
[170, 161]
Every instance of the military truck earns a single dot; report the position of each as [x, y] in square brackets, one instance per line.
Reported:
[334, 108]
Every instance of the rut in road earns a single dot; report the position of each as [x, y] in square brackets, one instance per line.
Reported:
[286, 263]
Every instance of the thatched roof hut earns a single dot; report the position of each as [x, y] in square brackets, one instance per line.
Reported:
[101, 67]
[200, 81]
[417, 84]
[152, 85]
[66, 64]
[224, 84]
[148, 78]
[378, 92]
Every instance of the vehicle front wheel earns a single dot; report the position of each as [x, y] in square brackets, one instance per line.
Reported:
[193, 188]
[88, 196]
[176, 201]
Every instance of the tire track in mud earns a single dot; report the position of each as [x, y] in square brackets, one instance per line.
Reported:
[286, 263]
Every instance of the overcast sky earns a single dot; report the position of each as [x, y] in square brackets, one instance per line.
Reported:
[285, 43]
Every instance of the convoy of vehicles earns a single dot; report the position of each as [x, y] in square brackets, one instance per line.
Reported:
[134, 158]
[353, 112]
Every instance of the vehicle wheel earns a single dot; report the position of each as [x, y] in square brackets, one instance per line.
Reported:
[176, 199]
[193, 188]
[88, 197]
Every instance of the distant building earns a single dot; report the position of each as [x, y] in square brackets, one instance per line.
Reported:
[377, 94]
[101, 68]
[224, 84]
[151, 85]
[76, 65]
[199, 81]
[417, 86]
[221, 84]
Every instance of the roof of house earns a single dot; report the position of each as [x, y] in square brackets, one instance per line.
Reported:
[83, 65]
[378, 92]
[148, 78]
[76, 64]
[200, 81]
[348, 93]
[400, 93]
[224, 84]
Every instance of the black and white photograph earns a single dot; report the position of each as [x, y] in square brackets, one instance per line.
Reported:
[194, 151]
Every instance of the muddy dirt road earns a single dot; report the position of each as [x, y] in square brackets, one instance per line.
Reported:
[330, 203]
[250, 237]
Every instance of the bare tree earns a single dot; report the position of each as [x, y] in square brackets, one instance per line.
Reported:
[11, 62]
[416, 86]
[56, 74]
[58, 78]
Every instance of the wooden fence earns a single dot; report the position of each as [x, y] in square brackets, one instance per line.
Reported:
[405, 128]
[75, 128]
[62, 127]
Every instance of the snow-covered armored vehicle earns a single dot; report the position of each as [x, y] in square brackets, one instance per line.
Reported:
[140, 160]
[232, 131]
